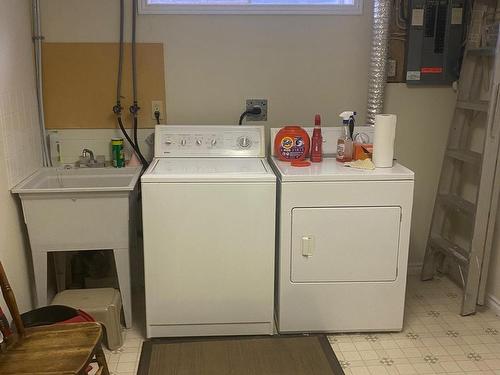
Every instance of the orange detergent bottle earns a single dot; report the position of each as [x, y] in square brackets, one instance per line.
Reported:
[291, 143]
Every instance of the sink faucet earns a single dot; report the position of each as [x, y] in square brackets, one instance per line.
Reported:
[88, 152]
[92, 162]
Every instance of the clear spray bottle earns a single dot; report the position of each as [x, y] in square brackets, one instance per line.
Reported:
[345, 146]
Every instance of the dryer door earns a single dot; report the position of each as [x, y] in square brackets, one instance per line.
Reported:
[345, 244]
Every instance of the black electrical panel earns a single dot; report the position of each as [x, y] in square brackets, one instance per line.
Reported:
[436, 34]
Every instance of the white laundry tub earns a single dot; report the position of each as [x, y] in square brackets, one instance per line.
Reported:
[81, 209]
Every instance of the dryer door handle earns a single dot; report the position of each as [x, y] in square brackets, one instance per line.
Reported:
[307, 246]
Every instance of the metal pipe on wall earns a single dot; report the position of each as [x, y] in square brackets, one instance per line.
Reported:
[377, 74]
[37, 40]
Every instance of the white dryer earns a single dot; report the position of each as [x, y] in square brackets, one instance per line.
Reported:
[343, 237]
[209, 232]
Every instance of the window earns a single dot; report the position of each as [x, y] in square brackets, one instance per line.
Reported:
[250, 6]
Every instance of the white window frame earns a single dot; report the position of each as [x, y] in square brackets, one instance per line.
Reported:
[145, 8]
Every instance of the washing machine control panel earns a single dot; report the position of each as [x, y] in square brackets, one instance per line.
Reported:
[209, 141]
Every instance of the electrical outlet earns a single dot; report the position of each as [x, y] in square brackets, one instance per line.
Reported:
[262, 103]
[157, 105]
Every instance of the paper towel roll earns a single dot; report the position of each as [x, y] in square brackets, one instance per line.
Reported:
[383, 140]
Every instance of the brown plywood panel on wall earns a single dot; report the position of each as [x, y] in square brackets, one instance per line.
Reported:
[79, 83]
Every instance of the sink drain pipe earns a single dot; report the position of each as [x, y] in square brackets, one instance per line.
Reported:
[377, 74]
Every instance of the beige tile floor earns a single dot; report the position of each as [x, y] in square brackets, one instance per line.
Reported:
[435, 339]
[126, 360]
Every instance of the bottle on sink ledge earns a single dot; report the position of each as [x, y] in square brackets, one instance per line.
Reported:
[344, 143]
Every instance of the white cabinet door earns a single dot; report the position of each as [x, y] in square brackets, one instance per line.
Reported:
[345, 244]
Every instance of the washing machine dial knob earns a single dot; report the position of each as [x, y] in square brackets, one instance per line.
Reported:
[168, 142]
[199, 142]
[183, 142]
[244, 142]
[213, 142]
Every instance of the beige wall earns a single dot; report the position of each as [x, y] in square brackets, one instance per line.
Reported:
[302, 64]
[424, 117]
[17, 88]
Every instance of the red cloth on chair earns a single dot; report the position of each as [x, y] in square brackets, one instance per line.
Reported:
[80, 318]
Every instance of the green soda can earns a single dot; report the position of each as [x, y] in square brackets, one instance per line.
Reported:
[117, 152]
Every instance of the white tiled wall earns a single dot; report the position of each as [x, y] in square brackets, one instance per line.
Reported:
[73, 141]
[19, 133]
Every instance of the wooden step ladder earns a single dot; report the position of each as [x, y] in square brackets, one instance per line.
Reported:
[463, 220]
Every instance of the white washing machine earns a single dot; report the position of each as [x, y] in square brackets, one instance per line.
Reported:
[208, 203]
[343, 237]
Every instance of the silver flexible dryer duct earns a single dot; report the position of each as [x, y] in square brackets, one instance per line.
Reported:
[377, 74]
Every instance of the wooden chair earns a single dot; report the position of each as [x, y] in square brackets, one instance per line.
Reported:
[49, 350]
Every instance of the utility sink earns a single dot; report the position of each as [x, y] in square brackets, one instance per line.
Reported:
[60, 180]
[79, 209]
